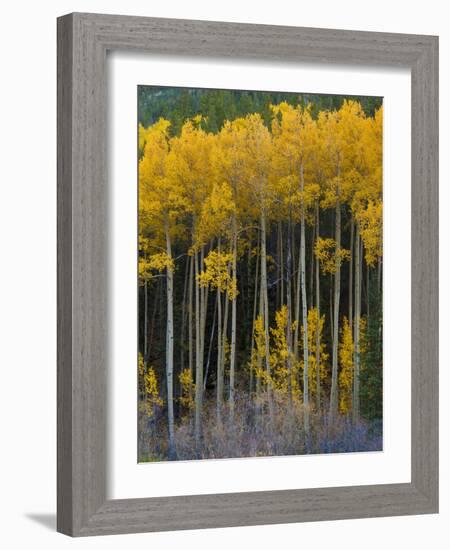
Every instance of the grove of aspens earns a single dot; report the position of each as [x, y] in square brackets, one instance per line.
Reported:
[260, 274]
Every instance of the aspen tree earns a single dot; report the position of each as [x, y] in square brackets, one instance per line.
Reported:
[229, 163]
[190, 169]
[160, 199]
[216, 213]
[293, 128]
[258, 147]
[342, 134]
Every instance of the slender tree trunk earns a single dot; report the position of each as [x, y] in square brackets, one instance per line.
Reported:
[337, 294]
[356, 337]
[225, 335]
[304, 314]
[198, 360]
[203, 324]
[266, 308]
[248, 300]
[169, 349]
[289, 307]
[318, 383]
[294, 287]
[350, 281]
[203, 310]
[280, 229]
[233, 320]
[259, 360]
[224, 340]
[297, 303]
[161, 329]
[264, 287]
[190, 323]
[367, 289]
[183, 317]
[255, 301]
[219, 383]
[278, 301]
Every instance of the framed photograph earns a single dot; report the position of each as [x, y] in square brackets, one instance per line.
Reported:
[247, 274]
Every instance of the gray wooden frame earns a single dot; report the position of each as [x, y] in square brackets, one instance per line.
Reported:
[83, 40]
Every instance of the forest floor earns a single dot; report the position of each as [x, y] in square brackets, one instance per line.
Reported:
[254, 432]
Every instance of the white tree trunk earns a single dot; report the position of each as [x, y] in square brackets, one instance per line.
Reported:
[203, 310]
[337, 294]
[350, 279]
[169, 348]
[297, 304]
[219, 384]
[224, 340]
[289, 306]
[198, 361]
[255, 301]
[356, 360]
[233, 322]
[266, 308]
[318, 383]
[145, 354]
[304, 313]
[190, 323]
[183, 316]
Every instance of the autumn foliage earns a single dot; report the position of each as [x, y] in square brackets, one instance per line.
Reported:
[259, 247]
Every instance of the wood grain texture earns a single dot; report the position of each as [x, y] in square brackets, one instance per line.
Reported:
[425, 273]
[64, 252]
[83, 40]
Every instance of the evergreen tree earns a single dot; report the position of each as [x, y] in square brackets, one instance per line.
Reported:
[371, 377]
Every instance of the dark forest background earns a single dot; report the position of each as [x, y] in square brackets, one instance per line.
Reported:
[180, 104]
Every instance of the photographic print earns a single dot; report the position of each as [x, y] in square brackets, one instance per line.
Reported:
[260, 266]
